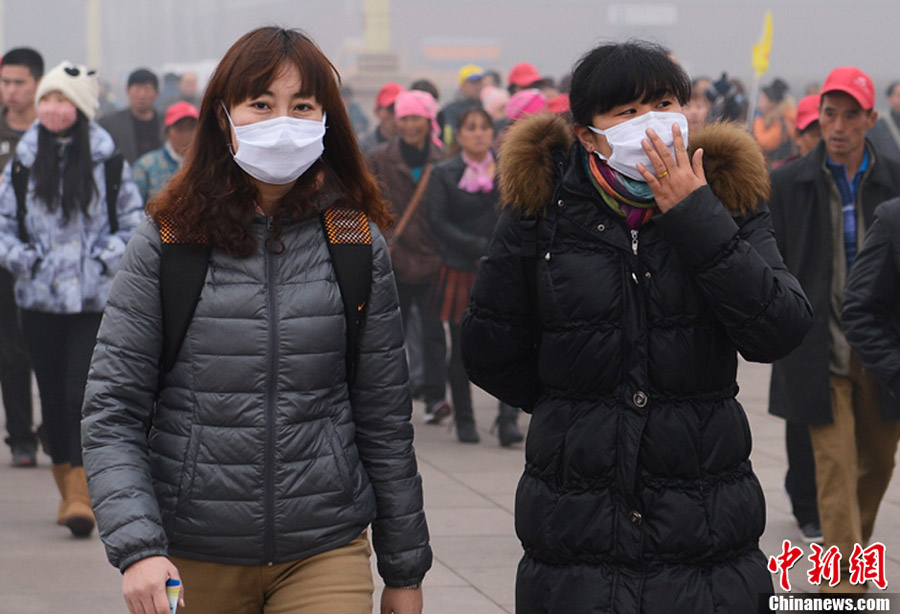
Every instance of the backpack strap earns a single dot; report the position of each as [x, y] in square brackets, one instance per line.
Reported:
[183, 267]
[113, 173]
[350, 244]
[20, 187]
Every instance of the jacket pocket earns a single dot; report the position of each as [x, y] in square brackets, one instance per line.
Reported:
[341, 462]
[186, 480]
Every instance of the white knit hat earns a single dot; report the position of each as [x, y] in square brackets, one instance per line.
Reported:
[76, 83]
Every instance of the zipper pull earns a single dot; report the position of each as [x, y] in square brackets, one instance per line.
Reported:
[634, 241]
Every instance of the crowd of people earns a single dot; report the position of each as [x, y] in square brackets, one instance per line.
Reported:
[230, 298]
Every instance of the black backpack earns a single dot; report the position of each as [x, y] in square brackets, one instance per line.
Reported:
[112, 172]
[183, 267]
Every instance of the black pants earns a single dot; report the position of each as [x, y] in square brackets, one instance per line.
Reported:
[460, 387]
[433, 343]
[61, 346]
[15, 372]
[800, 480]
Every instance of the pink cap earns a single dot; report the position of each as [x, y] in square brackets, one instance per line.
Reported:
[387, 95]
[853, 81]
[423, 104]
[179, 111]
[525, 102]
[524, 74]
[807, 111]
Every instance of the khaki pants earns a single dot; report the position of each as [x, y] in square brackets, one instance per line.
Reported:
[337, 582]
[854, 461]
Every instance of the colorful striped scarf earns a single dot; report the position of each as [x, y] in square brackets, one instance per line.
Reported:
[630, 199]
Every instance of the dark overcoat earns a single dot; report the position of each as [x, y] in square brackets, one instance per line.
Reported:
[638, 494]
[801, 216]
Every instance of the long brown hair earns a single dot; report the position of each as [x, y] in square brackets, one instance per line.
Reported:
[212, 199]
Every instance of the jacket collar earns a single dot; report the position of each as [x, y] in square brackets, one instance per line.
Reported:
[541, 149]
[812, 167]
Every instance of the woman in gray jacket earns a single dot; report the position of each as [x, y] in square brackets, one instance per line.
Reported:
[63, 231]
[251, 469]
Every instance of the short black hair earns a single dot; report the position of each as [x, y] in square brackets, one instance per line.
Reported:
[27, 57]
[142, 76]
[891, 87]
[614, 74]
[424, 85]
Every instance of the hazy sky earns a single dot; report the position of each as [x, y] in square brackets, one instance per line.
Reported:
[708, 36]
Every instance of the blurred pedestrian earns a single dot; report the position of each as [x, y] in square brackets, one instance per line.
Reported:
[807, 133]
[463, 201]
[105, 98]
[492, 78]
[521, 104]
[523, 76]
[187, 91]
[137, 129]
[20, 71]
[354, 111]
[493, 100]
[153, 170]
[697, 110]
[62, 235]
[384, 113]
[469, 95]
[800, 478]
[822, 205]
[773, 125]
[729, 103]
[403, 167]
[288, 448]
[885, 134]
[616, 294]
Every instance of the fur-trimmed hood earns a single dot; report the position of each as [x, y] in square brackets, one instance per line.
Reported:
[734, 165]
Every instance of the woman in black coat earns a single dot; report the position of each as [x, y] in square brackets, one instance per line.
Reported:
[462, 212]
[616, 294]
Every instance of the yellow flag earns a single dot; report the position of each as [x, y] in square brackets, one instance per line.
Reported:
[763, 47]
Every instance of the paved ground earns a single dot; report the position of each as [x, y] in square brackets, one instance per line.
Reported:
[469, 493]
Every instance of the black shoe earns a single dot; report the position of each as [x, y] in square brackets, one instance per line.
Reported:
[466, 432]
[811, 533]
[24, 455]
[508, 432]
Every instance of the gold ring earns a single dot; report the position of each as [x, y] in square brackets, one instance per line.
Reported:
[663, 175]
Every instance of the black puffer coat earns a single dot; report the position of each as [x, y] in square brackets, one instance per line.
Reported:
[638, 494]
[462, 221]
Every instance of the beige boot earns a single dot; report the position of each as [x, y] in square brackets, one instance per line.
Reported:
[78, 515]
[59, 474]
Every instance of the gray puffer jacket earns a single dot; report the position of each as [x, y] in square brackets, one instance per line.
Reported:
[256, 451]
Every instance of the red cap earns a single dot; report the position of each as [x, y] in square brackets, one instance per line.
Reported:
[853, 81]
[807, 111]
[179, 111]
[524, 74]
[387, 95]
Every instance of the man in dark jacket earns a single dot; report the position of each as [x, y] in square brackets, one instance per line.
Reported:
[137, 129]
[20, 72]
[871, 312]
[821, 206]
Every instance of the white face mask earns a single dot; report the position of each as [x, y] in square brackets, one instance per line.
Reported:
[625, 140]
[277, 151]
